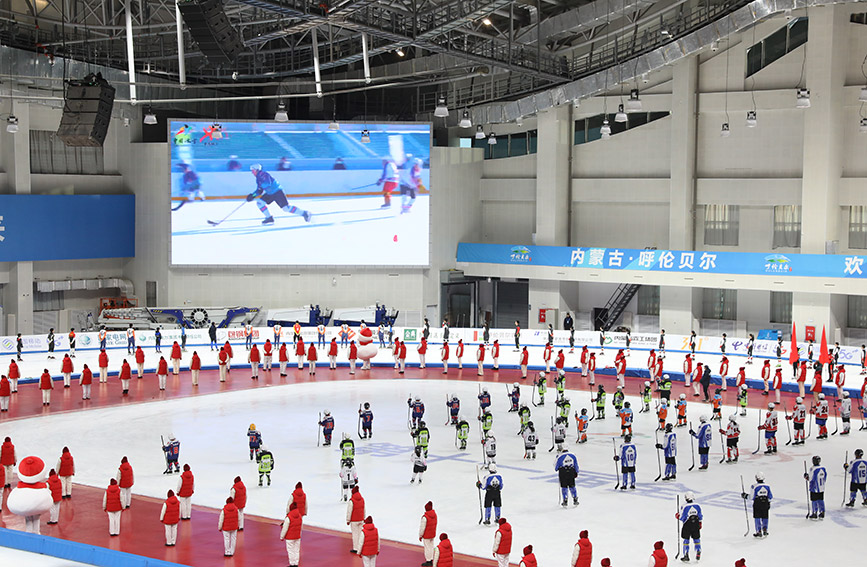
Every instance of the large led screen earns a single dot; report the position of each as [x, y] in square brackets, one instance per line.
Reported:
[267, 193]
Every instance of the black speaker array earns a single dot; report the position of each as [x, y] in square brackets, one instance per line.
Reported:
[86, 112]
[211, 30]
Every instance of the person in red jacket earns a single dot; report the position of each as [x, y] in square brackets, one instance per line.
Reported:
[162, 372]
[5, 393]
[723, 373]
[46, 385]
[239, 495]
[291, 534]
[86, 382]
[353, 356]
[529, 559]
[422, 351]
[561, 361]
[459, 353]
[480, 359]
[14, 375]
[444, 555]
[582, 553]
[186, 488]
[546, 356]
[267, 355]
[66, 470]
[228, 524]
[230, 354]
[300, 352]
[103, 366]
[396, 353]
[299, 498]
[139, 361]
[658, 558]
[332, 354]
[368, 543]
[112, 506]
[444, 356]
[503, 542]
[170, 516]
[311, 358]
[8, 462]
[282, 359]
[125, 376]
[125, 480]
[176, 358]
[525, 357]
[253, 359]
[495, 354]
[354, 518]
[401, 357]
[195, 368]
[56, 488]
[223, 362]
[66, 369]
[427, 530]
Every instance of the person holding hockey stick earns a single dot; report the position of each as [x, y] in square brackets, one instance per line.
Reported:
[268, 190]
[566, 467]
[627, 458]
[761, 495]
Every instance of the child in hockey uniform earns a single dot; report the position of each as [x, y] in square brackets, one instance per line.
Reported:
[348, 477]
[559, 431]
[172, 450]
[628, 455]
[680, 404]
[560, 384]
[798, 417]
[770, 429]
[484, 401]
[600, 402]
[846, 413]
[646, 395]
[857, 468]
[493, 486]
[366, 421]
[489, 444]
[419, 465]
[691, 518]
[454, 406]
[581, 422]
[704, 436]
[530, 441]
[716, 401]
[524, 415]
[515, 397]
[566, 467]
[417, 407]
[669, 447]
[266, 464]
[462, 431]
[487, 420]
[732, 433]
[762, 496]
[816, 477]
[327, 424]
[541, 387]
[421, 437]
[254, 438]
[625, 420]
[617, 399]
[742, 399]
[347, 448]
[821, 412]
[662, 414]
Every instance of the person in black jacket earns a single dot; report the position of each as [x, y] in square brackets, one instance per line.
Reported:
[212, 334]
[705, 382]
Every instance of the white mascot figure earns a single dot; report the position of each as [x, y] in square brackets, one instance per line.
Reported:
[31, 497]
[366, 348]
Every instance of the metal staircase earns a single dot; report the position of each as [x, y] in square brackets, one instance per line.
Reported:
[608, 315]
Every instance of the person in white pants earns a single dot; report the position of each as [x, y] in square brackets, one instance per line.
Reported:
[54, 485]
[113, 507]
[228, 524]
[352, 359]
[291, 533]
[170, 517]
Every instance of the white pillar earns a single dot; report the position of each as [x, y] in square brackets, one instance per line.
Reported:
[553, 176]
[681, 212]
[679, 309]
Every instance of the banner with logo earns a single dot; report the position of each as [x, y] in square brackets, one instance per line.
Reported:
[747, 263]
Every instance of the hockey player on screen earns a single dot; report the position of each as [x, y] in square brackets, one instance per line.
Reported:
[191, 186]
[389, 180]
[566, 467]
[408, 190]
[268, 191]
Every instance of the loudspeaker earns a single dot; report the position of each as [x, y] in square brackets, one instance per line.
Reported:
[86, 113]
[211, 30]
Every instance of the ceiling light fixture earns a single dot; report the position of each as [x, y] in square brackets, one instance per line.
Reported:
[751, 119]
[486, 20]
[519, 121]
[216, 131]
[150, 118]
[606, 129]
[334, 125]
[281, 115]
[480, 133]
[634, 102]
[725, 132]
[365, 136]
[863, 97]
[803, 100]
[400, 52]
[441, 110]
[621, 115]
[465, 120]
[12, 124]
[863, 127]
[492, 139]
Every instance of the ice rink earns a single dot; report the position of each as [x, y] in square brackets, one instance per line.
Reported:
[329, 238]
[622, 525]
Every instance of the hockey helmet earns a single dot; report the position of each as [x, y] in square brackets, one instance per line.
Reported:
[523, 404]
[566, 400]
[647, 383]
[366, 405]
[859, 453]
[799, 400]
[845, 394]
[627, 404]
[816, 460]
[252, 426]
[683, 396]
[689, 496]
[702, 418]
[515, 385]
[530, 424]
[619, 387]
[172, 437]
[668, 427]
[418, 450]
[256, 167]
[421, 424]
[771, 406]
[627, 439]
[326, 412]
[760, 477]
[743, 387]
[485, 389]
[541, 374]
[732, 418]
[346, 435]
[417, 398]
[601, 388]
[717, 391]
[663, 402]
[584, 410]
[821, 396]
[666, 376]
[263, 448]
[492, 468]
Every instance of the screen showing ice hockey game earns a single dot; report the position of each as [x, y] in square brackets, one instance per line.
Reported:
[269, 193]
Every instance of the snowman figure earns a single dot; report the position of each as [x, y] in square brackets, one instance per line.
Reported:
[31, 497]
[366, 348]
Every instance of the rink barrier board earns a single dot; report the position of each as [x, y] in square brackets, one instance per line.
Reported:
[74, 551]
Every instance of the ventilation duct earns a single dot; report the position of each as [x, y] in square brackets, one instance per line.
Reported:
[91, 284]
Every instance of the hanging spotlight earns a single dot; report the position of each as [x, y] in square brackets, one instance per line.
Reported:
[751, 119]
[12, 124]
[365, 136]
[334, 125]
[645, 78]
[441, 111]
[519, 121]
[634, 102]
[576, 103]
[620, 116]
[234, 75]
[216, 131]
[803, 100]
[725, 132]
[486, 20]
[150, 118]
[492, 139]
[281, 115]
[400, 52]
[863, 97]
[465, 120]
[606, 128]
[863, 127]
[480, 133]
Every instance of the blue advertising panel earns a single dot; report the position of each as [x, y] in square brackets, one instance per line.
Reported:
[680, 261]
[66, 227]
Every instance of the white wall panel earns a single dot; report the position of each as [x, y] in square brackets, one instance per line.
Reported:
[623, 225]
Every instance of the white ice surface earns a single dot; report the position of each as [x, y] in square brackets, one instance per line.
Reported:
[348, 231]
[13, 557]
[622, 526]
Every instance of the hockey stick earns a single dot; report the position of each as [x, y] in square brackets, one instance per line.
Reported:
[616, 468]
[677, 529]
[165, 455]
[456, 437]
[691, 446]
[807, 486]
[836, 425]
[746, 514]
[722, 442]
[552, 434]
[215, 223]
[845, 469]
[508, 396]
[448, 415]
[362, 186]
[759, 436]
[318, 428]
[809, 422]
[533, 396]
[359, 421]
[479, 488]
[863, 417]
[788, 429]
[408, 418]
[658, 462]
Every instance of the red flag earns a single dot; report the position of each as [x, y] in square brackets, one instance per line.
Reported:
[824, 358]
[794, 355]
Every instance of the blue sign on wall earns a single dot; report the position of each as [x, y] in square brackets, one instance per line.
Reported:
[66, 227]
[681, 261]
